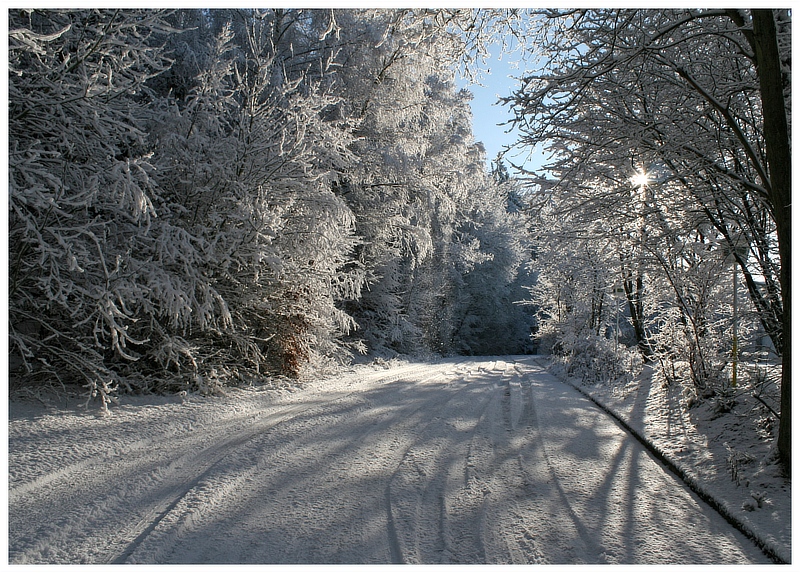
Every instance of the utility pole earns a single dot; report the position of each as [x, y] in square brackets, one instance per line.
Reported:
[735, 326]
[732, 251]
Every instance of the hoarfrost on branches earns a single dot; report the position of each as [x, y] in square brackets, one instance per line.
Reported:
[217, 195]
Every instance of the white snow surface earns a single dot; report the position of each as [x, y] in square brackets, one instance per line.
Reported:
[719, 453]
[467, 460]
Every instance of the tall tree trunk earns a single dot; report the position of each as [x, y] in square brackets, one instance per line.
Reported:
[634, 288]
[779, 161]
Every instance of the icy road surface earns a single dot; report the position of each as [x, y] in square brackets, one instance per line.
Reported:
[461, 461]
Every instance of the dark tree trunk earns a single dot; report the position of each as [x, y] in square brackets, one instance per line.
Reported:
[779, 161]
[634, 287]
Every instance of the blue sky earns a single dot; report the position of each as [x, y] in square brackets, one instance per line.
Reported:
[497, 81]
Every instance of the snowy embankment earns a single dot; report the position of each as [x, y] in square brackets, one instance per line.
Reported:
[467, 460]
[717, 452]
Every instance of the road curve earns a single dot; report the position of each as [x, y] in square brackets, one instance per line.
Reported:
[457, 461]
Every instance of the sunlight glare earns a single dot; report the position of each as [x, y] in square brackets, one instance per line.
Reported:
[641, 179]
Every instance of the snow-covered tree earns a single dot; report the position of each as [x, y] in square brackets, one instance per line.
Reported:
[82, 200]
[202, 196]
[249, 163]
[419, 176]
[687, 91]
[185, 222]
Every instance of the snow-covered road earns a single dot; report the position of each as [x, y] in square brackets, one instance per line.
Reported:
[456, 461]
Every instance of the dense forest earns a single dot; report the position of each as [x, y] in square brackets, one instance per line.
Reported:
[200, 198]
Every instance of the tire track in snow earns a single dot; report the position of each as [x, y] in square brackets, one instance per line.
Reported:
[152, 476]
[104, 485]
[585, 536]
[273, 444]
[505, 437]
[390, 428]
[404, 515]
[132, 536]
[160, 482]
[473, 461]
[430, 491]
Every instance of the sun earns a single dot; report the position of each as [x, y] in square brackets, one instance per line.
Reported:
[641, 179]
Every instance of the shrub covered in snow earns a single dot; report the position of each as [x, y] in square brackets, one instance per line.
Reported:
[202, 197]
